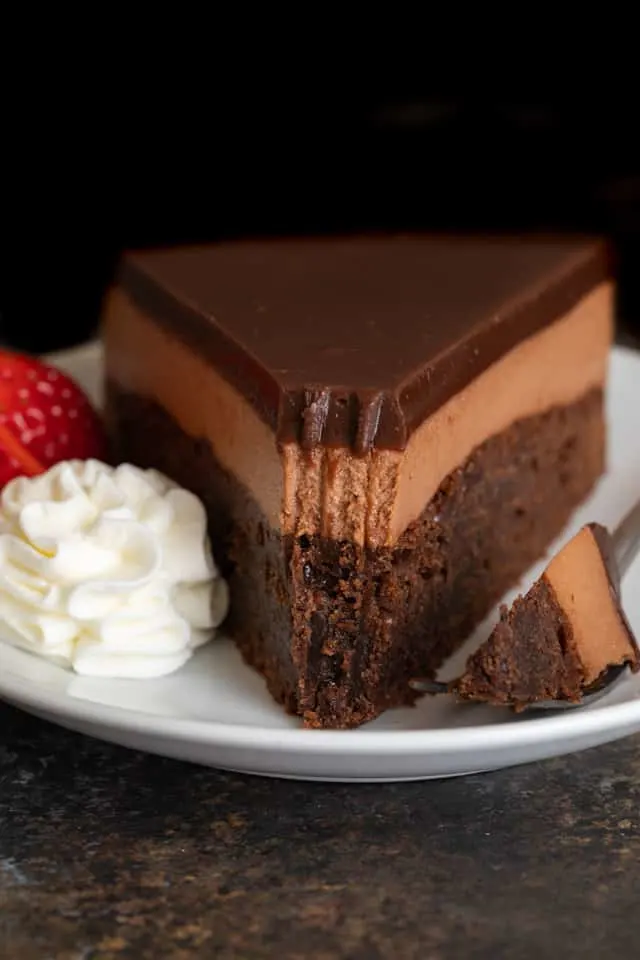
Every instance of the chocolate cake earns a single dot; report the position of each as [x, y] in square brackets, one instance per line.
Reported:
[386, 431]
[560, 638]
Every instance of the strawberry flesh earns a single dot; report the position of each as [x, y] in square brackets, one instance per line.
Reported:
[44, 417]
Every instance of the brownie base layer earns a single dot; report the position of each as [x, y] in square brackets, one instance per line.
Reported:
[336, 629]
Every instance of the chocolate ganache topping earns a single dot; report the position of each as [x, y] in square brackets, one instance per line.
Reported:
[354, 341]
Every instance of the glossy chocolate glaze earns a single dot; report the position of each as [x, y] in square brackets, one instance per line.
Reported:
[354, 341]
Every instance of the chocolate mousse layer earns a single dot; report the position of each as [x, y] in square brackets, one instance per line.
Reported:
[332, 491]
[386, 433]
[561, 637]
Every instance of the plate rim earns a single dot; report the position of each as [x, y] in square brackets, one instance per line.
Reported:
[569, 725]
[523, 732]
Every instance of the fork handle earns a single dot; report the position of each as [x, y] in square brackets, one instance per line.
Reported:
[626, 539]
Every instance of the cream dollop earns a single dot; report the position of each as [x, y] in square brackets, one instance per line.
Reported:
[107, 570]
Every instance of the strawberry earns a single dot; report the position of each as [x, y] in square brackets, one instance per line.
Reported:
[44, 418]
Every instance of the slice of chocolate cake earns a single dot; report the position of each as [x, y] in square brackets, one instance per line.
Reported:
[557, 640]
[386, 431]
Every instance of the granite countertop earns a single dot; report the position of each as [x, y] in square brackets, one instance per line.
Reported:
[107, 853]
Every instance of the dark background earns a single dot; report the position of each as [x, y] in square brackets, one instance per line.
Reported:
[269, 164]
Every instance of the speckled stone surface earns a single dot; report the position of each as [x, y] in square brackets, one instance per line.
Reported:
[107, 853]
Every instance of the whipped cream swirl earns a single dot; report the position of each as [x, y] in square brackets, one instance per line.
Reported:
[107, 570]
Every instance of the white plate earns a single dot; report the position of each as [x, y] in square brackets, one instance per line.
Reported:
[216, 711]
